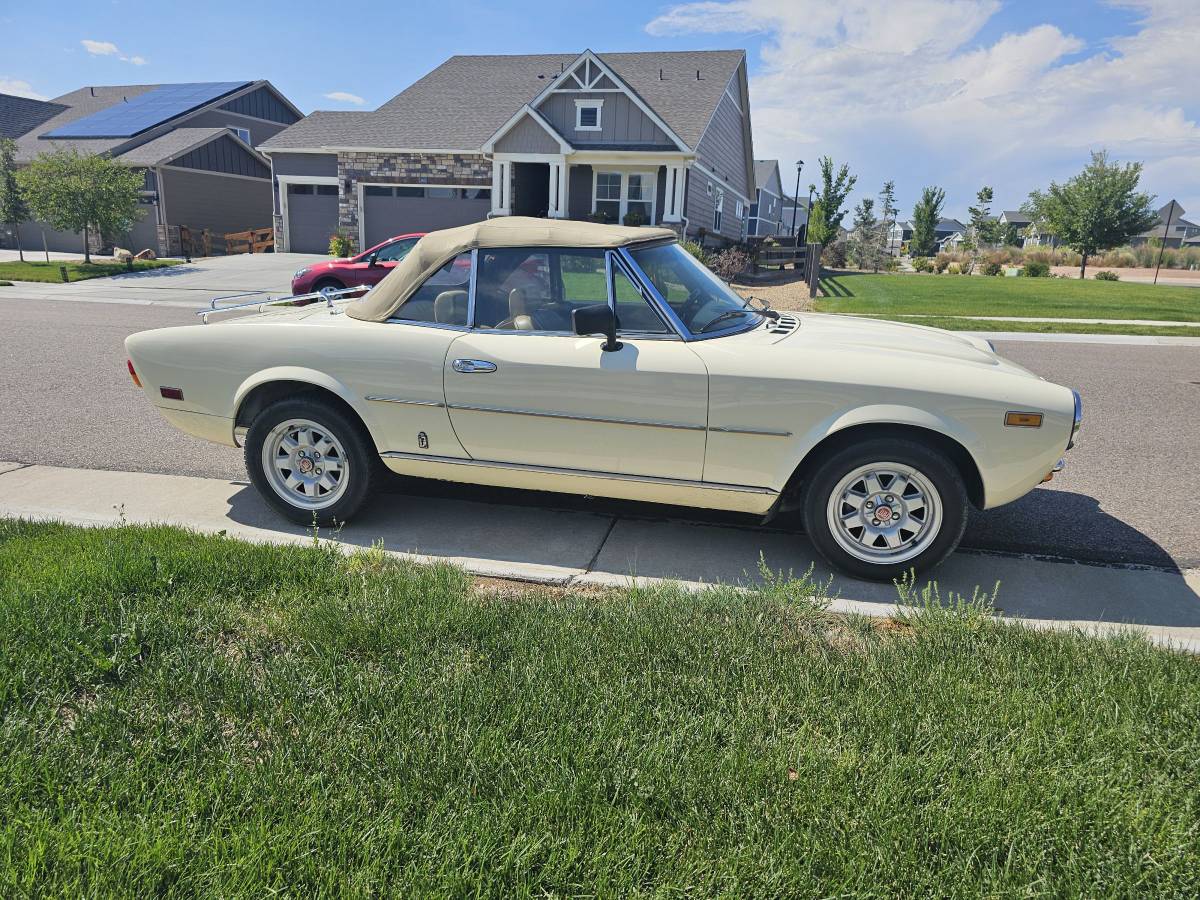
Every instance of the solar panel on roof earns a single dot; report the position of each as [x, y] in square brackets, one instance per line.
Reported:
[137, 114]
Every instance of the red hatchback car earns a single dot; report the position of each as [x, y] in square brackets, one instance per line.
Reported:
[368, 268]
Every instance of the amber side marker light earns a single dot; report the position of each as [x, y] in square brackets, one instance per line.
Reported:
[1023, 419]
[132, 373]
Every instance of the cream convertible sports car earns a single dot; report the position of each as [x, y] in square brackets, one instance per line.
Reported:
[606, 361]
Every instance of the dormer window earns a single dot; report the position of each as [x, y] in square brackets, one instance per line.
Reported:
[587, 115]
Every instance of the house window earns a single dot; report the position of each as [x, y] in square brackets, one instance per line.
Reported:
[708, 188]
[717, 210]
[243, 133]
[619, 193]
[587, 115]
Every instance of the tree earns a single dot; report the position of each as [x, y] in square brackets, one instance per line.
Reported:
[926, 214]
[984, 229]
[82, 192]
[13, 208]
[887, 212]
[834, 190]
[1098, 209]
[865, 245]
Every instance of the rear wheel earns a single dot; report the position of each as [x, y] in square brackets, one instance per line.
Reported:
[310, 461]
[880, 508]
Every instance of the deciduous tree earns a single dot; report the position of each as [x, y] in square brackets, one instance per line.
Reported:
[830, 201]
[81, 192]
[1098, 209]
[13, 208]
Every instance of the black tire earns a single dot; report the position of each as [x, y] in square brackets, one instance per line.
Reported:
[328, 283]
[933, 465]
[361, 461]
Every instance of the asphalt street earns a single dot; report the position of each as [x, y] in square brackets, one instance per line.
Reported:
[1130, 493]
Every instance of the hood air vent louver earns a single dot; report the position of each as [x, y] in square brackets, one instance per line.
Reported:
[785, 324]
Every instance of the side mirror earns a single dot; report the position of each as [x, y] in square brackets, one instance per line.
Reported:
[373, 259]
[597, 318]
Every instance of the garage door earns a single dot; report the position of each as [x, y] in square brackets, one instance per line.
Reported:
[312, 215]
[390, 211]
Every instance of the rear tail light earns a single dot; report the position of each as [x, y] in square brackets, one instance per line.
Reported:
[133, 374]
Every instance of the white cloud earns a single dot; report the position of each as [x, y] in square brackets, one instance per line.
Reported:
[19, 88]
[100, 48]
[344, 97]
[906, 89]
[108, 48]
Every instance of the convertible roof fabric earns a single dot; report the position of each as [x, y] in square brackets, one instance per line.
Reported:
[439, 247]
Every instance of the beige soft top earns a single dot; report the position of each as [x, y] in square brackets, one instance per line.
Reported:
[439, 247]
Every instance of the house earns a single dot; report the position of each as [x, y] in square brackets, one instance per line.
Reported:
[794, 218]
[898, 237]
[947, 231]
[1175, 233]
[1013, 223]
[658, 137]
[194, 143]
[766, 210]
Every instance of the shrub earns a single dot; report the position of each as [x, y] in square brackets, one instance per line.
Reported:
[633, 219]
[1035, 269]
[696, 250]
[891, 264]
[922, 264]
[941, 262]
[954, 269]
[340, 245]
[834, 255]
[1041, 257]
[729, 263]
[1106, 275]
[599, 216]
[993, 267]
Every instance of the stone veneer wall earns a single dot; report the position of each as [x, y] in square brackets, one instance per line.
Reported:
[403, 168]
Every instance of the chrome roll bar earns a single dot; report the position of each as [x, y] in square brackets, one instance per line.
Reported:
[329, 295]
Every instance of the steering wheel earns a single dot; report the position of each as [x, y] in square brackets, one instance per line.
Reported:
[694, 302]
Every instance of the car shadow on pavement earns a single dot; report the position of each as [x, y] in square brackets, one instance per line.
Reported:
[541, 535]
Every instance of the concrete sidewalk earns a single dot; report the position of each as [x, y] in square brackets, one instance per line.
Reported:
[566, 547]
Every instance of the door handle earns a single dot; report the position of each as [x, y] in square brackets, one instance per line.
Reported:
[473, 366]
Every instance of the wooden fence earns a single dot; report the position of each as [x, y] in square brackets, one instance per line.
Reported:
[786, 251]
[203, 242]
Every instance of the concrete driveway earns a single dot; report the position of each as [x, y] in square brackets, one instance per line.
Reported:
[187, 285]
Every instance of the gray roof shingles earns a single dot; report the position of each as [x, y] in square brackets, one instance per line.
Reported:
[76, 105]
[763, 169]
[20, 115]
[465, 100]
[170, 145]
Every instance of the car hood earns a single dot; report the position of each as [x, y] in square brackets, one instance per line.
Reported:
[327, 264]
[879, 336]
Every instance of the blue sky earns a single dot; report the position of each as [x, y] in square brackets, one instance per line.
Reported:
[951, 92]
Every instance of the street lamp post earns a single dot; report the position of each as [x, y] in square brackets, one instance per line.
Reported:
[796, 195]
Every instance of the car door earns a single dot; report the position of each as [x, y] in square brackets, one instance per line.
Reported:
[376, 266]
[521, 387]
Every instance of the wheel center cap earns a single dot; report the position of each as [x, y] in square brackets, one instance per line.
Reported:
[883, 513]
[305, 465]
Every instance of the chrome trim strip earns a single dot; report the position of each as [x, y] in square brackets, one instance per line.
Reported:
[435, 403]
[574, 418]
[636, 281]
[584, 473]
[763, 431]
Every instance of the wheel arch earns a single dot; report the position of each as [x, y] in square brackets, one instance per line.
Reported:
[264, 388]
[852, 431]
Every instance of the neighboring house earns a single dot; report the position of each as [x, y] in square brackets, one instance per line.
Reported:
[1176, 233]
[193, 142]
[1016, 221]
[949, 234]
[662, 136]
[794, 216]
[898, 237]
[766, 212]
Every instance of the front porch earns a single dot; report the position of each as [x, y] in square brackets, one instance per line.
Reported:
[639, 187]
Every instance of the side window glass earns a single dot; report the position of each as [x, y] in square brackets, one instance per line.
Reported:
[633, 312]
[443, 298]
[513, 290]
[395, 252]
[583, 277]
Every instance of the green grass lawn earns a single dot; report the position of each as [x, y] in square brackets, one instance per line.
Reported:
[194, 715]
[956, 295]
[952, 324]
[77, 271]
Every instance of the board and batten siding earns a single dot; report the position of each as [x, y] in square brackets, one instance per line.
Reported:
[527, 136]
[223, 155]
[220, 203]
[621, 122]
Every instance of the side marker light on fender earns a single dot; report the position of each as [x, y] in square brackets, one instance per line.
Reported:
[171, 393]
[1023, 419]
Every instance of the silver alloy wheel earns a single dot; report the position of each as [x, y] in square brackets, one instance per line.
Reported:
[884, 513]
[305, 464]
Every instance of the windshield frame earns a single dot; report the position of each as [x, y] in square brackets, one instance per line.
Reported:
[751, 321]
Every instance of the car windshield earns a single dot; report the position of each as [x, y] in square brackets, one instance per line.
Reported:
[701, 300]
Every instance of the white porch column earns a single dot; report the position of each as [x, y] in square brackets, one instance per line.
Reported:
[501, 190]
[557, 207]
[673, 196]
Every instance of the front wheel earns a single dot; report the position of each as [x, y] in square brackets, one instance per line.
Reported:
[877, 509]
[310, 461]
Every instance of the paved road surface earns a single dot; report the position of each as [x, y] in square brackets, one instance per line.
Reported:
[1131, 492]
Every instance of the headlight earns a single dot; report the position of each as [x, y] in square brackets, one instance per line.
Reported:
[301, 272]
[1078, 418]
